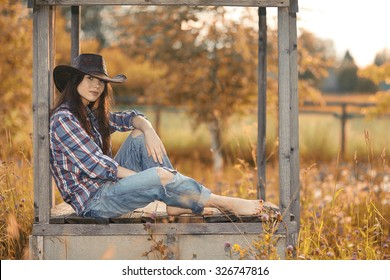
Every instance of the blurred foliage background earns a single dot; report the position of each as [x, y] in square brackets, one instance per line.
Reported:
[203, 60]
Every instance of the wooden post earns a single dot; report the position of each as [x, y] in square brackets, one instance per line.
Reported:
[42, 89]
[75, 32]
[52, 50]
[262, 104]
[343, 119]
[294, 114]
[284, 111]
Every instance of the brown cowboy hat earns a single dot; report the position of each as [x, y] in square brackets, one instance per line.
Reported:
[84, 64]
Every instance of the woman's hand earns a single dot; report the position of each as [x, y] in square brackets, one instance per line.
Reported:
[153, 143]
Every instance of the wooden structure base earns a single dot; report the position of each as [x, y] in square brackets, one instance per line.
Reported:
[69, 237]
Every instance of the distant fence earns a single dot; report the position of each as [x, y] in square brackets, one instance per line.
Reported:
[344, 115]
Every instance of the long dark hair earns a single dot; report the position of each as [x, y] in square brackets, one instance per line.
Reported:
[101, 108]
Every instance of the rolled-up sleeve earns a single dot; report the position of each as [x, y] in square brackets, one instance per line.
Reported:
[84, 154]
[123, 121]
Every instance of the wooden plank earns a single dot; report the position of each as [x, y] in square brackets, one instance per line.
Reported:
[284, 111]
[43, 25]
[262, 104]
[36, 248]
[75, 32]
[36, 78]
[140, 218]
[74, 219]
[139, 229]
[231, 218]
[294, 7]
[52, 50]
[239, 3]
[294, 115]
[132, 219]
[182, 219]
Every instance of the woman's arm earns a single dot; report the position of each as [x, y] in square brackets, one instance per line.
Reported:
[124, 172]
[153, 142]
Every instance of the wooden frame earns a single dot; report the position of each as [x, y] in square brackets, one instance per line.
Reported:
[237, 3]
[43, 62]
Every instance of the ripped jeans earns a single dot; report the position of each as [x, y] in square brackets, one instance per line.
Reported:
[114, 199]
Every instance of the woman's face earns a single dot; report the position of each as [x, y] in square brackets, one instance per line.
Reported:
[90, 89]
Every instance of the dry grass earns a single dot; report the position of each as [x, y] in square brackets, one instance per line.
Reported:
[16, 202]
[347, 213]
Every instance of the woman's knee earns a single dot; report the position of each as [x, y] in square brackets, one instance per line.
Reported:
[164, 175]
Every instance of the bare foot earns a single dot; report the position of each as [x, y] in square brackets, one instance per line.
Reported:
[237, 206]
[244, 207]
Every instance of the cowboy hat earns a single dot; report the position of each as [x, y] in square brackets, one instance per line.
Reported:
[84, 64]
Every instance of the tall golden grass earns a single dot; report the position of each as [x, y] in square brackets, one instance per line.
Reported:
[345, 206]
[346, 211]
[16, 200]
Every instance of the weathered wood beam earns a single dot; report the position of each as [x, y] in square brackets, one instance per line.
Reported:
[52, 55]
[284, 111]
[262, 104]
[294, 114]
[75, 32]
[240, 3]
[35, 247]
[139, 229]
[42, 91]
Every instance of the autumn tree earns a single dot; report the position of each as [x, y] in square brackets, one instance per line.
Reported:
[155, 35]
[347, 74]
[381, 76]
[97, 23]
[15, 71]
[378, 74]
[142, 77]
[208, 61]
[222, 79]
[315, 57]
[382, 57]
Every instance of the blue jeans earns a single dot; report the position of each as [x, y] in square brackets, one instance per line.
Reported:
[114, 199]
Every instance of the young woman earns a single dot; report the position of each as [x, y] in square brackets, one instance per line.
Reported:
[93, 182]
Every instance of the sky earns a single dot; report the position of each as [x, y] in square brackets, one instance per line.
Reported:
[360, 26]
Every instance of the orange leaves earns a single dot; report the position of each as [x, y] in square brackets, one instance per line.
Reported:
[15, 71]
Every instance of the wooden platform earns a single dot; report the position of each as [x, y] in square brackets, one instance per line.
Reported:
[154, 212]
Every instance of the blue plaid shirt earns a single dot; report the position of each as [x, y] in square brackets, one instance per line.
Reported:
[77, 162]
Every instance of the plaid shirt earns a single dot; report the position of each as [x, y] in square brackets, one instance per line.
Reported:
[77, 162]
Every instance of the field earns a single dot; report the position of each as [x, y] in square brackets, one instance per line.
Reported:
[319, 135]
[345, 203]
